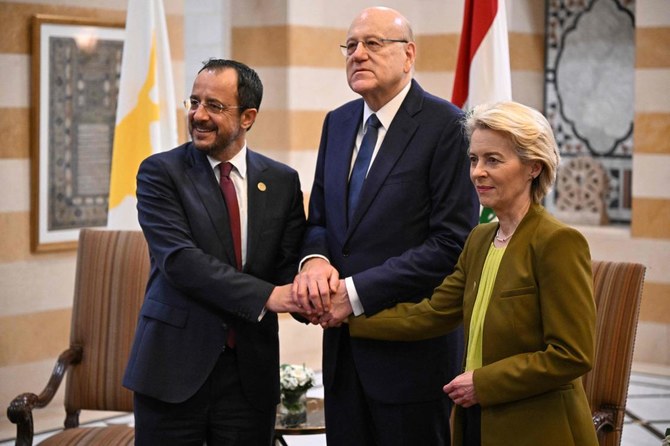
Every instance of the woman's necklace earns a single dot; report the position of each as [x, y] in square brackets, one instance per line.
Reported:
[503, 239]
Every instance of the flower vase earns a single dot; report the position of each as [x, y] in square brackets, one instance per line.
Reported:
[293, 408]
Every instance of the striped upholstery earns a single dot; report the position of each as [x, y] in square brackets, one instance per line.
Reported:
[94, 436]
[617, 291]
[112, 272]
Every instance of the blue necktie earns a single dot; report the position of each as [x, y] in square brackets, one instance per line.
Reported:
[362, 163]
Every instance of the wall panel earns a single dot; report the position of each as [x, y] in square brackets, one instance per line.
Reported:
[15, 131]
[651, 172]
[652, 133]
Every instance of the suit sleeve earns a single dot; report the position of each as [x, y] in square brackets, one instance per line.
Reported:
[315, 241]
[567, 309]
[168, 229]
[453, 213]
[436, 316]
[287, 257]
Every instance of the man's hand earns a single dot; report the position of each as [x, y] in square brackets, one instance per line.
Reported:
[313, 286]
[281, 301]
[340, 308]
[461, 390]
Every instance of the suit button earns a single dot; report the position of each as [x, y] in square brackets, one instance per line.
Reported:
[345, 252]
[224, 326]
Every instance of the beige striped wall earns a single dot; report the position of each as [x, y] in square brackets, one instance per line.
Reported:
[36, 289]
[647, 240]
[293, 45]
[651, 174]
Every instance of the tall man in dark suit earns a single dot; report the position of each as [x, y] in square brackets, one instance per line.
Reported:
[392, 241]
[204, 364]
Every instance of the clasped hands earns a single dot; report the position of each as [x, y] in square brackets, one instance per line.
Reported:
[320, 294]
[317, 293]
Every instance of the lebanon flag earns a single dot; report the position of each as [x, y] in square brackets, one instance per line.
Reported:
[482, 69]
[146, 112]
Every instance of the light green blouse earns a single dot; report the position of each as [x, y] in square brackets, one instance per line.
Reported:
[488, 279]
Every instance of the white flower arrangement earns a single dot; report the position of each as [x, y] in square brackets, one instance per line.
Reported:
[295, 377]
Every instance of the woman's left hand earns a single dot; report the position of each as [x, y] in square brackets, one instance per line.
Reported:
[461, 390]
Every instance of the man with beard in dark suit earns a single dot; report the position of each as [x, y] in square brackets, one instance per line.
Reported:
[223, 224]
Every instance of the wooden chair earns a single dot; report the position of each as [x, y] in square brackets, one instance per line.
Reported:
[111, 275]
[617, 291]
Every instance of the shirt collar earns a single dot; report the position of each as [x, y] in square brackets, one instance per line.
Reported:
[389, 110]
[239, 161]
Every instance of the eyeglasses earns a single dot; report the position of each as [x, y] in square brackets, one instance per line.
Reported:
[372, 44]
[211, 108]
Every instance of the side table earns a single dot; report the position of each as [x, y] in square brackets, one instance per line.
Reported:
[315, 424]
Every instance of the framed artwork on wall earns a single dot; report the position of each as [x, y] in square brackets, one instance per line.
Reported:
[76, 68]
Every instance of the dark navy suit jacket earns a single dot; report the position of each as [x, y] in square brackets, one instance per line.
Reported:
[416, 209]
[194, 293]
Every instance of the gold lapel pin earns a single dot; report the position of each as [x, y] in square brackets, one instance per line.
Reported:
[262, 187]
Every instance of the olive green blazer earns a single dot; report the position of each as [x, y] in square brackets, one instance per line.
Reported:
[538, 338]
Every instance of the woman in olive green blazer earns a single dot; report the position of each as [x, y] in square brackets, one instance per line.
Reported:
[537, 329]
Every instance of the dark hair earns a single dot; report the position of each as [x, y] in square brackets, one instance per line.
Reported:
[249, 85]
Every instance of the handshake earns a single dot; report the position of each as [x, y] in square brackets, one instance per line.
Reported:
[317, 294]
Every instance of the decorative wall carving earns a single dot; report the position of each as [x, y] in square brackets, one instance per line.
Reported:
[583, 184]
[589, 93]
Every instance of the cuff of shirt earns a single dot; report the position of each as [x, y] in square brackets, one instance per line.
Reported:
[311, 256]
[354, 300]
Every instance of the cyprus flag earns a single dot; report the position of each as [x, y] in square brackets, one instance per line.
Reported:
[146, 114]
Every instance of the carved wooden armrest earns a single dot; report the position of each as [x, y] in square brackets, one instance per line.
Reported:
[604, 419]
[20, 410]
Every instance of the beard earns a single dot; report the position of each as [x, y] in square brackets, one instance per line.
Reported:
[222, 143]
[207, 149]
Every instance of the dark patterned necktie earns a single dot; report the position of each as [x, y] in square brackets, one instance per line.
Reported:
[362, 163]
